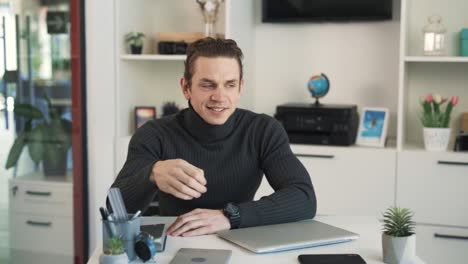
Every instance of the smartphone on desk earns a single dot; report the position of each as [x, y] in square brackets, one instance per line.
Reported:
[331, 259]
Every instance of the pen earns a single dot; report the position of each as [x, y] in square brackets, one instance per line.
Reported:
[105, 219]
[109, 216]
[137, 214]
[450, 236]
[103, 213]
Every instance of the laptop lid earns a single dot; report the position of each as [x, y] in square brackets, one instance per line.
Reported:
[200, 255]
[280, 237]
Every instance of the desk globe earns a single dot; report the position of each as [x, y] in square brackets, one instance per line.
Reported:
[318, 86]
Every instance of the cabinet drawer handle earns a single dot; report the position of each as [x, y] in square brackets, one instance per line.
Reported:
[36, 223]
[38, 193]
[450, 236]
[443, 162]
[315, 156]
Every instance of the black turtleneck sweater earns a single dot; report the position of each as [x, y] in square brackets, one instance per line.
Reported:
[234, 156]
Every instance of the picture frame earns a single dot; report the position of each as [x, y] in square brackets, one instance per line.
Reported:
[144, 114]
[373, 126]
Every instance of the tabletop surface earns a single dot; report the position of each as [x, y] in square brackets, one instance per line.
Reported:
[369, 245]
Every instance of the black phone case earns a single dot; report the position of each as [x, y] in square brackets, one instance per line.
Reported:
[331, 259]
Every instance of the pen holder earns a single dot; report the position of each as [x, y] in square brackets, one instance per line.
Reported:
[127, 230]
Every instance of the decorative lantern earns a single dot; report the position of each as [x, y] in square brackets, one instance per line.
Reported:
[434, 37]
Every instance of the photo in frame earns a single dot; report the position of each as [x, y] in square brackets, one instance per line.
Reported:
[144, 114]
[373, 127]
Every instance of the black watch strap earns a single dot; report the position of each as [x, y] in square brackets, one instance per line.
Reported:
[232, 212]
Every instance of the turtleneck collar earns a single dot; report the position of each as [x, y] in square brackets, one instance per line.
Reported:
[203, 131]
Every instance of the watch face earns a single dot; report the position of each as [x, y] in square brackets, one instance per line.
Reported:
[231, 208]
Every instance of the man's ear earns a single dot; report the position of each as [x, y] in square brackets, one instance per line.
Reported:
[185, 88]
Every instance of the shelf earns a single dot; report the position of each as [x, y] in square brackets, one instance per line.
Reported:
[435, 59]
[153, 57]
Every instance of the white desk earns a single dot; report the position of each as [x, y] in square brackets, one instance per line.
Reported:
[369, 245]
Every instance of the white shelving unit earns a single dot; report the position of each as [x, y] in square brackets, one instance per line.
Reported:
[420, 75]
[435, 59]
[429, 182]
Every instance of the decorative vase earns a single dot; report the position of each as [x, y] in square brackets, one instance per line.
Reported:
[436, 139]
[209, 10]
[113, 259]
[399, 250]
[136, 49]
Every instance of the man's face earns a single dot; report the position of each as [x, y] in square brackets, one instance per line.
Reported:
[216, 88]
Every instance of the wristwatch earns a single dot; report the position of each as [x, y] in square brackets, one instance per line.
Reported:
[231, 211]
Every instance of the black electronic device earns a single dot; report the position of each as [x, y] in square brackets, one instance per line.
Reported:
[322, 124]
[151, 239]
[172, 47]
[461, 142]
[331, 259]
[279, 11]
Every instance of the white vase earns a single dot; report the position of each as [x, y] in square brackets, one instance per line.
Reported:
[113, 259]
[436, 139]
[399, 250]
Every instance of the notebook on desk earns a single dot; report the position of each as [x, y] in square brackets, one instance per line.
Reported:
[273, 238]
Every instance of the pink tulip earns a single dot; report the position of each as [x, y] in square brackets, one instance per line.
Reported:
[454, 100]
[429, 98]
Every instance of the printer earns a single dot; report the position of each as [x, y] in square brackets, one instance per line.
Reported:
[321, 124]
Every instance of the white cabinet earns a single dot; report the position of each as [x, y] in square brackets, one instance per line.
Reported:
[41, 219]
[348, 180]
[434, 186]
[433, 249]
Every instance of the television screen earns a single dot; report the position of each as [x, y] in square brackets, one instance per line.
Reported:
[325, 10]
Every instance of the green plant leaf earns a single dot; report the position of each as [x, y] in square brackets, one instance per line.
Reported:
[36, 143]
[16, 150]
[397, 222]
[28, 111]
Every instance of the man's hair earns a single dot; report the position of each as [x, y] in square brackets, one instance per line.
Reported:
[211, 48]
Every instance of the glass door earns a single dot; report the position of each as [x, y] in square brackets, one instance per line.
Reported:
[41, 132]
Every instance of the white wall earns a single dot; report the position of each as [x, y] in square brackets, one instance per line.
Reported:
[360, 59]
[100, 107]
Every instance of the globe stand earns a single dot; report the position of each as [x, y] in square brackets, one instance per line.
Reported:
[317, 103]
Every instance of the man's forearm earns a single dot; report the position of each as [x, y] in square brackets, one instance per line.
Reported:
[293, 203]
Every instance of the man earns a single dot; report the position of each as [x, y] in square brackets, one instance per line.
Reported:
[207, 161]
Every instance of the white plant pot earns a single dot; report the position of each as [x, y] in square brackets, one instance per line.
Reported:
[436, 139]
[399, 250]
[113, 259]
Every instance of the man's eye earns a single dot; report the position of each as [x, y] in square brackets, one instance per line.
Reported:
[207, 85]
[232, 85]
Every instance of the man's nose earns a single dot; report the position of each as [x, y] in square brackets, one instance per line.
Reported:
[218, 95]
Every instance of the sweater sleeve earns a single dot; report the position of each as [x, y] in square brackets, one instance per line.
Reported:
[133, 179]
[294, 197]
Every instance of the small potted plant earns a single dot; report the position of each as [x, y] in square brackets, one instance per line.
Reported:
[398, 238]
[48, 138]
[436, 121]
[170, 108]
[114, 252]
[135, 41]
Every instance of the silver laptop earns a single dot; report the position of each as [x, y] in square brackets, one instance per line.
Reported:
[273, 238]
[200, 255]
